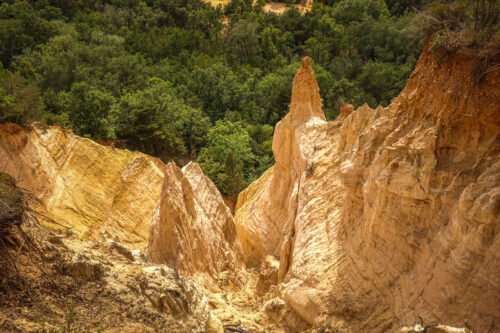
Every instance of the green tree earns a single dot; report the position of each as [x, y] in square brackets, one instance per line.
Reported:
[261, 141]
[244, 39]
[88, 111]
[232, 180]
[273, 93]
[19, 99]
[218, 89]
[222, 138]
[269, 50]
[22, 27]
[157, 122]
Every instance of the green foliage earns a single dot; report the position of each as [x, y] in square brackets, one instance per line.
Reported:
[261, 142]
[232, 180]
[244, 40]
[225, 137]
[347, 11]
[269, 37]
[156, 75]
[19, 99]
[157, 122]
[88, 110]
[217, 88]
[22, 27]
[401, 7]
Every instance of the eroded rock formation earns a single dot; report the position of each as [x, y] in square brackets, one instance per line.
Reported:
[262, 231]
[192, 228]
[390, 213]
[98, 191]
[363, 224]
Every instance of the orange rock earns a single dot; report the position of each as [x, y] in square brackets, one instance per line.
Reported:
[386, 214]
[346, 110]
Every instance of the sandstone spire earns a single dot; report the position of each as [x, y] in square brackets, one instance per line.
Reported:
[289, 149]
[293, 145]
[306, 102]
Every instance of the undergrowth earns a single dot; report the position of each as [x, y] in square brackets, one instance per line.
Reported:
[70, 323]
[461, 24]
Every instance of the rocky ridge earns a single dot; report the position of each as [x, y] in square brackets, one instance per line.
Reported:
[82, 186]
[393, 213]
[192, 228]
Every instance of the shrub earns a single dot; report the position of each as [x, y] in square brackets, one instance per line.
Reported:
[462, 23]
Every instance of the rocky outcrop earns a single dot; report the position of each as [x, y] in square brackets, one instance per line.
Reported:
[422, 182]
[96, 286]
[98, 191]
[192, 228]
[387, 214]
[262, 231]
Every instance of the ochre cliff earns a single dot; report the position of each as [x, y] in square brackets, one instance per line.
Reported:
[386, 214]
[98, 191]
[192, 228]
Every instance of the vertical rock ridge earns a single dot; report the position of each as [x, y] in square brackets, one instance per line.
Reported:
[293, 145]
[192, 229]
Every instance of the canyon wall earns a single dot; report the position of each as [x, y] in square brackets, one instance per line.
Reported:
[192, 228]
[386, 214]
[100, 192]
[375, 218]
[96, 193]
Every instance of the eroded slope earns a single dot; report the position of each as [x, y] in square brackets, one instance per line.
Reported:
[98, 191]
[93, 286]
[394, 212]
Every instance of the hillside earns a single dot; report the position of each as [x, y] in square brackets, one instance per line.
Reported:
[184, 80]
[365, 222]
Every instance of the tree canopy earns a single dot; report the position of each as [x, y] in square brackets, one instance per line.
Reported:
[183, 80]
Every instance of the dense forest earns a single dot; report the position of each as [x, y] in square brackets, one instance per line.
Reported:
[182, 80]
